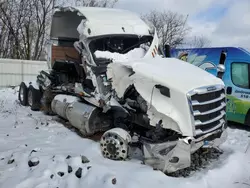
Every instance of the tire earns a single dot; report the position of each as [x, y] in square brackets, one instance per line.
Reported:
[34, 98]
[247, 119]
[23, 94]
[114, 144]
[46, 100]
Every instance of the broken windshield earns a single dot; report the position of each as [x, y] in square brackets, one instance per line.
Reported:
[106, 48]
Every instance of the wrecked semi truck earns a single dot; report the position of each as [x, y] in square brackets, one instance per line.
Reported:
[105, 75]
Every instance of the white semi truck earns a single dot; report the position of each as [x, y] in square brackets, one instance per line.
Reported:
[106, 75]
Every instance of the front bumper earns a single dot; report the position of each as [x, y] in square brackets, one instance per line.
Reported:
[176, 155]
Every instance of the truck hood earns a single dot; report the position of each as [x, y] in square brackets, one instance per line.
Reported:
[180, 78]
[173, 73]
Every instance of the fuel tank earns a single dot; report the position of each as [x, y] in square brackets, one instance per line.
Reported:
[86, 118]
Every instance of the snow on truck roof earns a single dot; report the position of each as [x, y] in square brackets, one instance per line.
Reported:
[69, 22]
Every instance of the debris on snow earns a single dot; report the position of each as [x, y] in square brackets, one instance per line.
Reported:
[32, 151]
[84, 159]
[68, 157]
[60, 174]
[70, 169]
[114, 181]
[33, 162]
[79, 172]
[11, 161]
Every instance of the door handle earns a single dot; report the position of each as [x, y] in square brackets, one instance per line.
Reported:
[229, 90]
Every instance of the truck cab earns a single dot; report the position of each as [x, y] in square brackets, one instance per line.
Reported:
[107, 61]
[236, 76]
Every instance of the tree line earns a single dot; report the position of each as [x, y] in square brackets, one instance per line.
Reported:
[25, 25]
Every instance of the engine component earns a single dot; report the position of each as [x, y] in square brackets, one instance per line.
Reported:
[114, 144]
[86, 118]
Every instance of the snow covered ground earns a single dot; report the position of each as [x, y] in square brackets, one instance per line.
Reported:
[37, 151]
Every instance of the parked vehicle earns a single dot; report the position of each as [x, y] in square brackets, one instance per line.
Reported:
[106, 76]
[236, 77]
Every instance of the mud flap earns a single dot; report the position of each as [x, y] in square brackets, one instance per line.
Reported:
[36, 98]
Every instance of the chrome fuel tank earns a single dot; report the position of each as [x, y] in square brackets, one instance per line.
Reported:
[86, 118]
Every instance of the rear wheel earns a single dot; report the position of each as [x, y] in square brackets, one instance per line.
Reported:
[34, 98]
[23, 94]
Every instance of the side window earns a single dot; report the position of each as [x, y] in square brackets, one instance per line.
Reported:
[240, 75]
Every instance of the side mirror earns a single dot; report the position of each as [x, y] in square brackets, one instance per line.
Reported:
[223, 56]
[221, 68]
[167, 50]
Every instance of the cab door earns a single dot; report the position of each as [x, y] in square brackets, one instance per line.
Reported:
[238, 92]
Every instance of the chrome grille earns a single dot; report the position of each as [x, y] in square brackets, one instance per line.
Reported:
[208, 107]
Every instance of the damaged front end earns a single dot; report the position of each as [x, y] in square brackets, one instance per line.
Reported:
[207, 113]
[176, 155]
[177, 122]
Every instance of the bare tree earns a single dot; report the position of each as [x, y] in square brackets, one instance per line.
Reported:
[95, 3]
[24, 24]
[171, 27]
[198, 42]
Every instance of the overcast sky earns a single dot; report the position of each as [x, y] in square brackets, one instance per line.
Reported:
[224, 22]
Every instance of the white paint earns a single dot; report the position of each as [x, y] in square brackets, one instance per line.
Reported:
[120, 78]
[174, 73]
[178, 76]
[14, 71]
[108, 21]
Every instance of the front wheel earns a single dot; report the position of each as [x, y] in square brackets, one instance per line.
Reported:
[114, 144]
